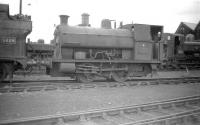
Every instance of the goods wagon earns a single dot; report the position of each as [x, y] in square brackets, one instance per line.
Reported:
[87, 53]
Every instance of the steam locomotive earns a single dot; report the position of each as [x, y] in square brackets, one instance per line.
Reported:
[180, 52]
[13, 32]
[87, 53]
[132, 50]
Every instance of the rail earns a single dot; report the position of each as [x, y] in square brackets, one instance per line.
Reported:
[51, 85]
[174, 111]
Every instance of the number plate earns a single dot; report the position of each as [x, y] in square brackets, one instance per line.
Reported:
[7, 40]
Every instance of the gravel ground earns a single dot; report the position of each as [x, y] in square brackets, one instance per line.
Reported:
[159, 75]
[25, 105]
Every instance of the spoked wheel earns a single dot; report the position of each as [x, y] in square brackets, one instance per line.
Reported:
[86, 76]
[29, 68]
[3, 72]
[147, 69]
[107, 74]
[120, 75]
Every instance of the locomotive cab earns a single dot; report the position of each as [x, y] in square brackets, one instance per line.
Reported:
[172, 45]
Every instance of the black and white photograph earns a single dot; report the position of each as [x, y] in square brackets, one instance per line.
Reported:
[99, 62]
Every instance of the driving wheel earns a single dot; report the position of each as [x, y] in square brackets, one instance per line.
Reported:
[120, 75]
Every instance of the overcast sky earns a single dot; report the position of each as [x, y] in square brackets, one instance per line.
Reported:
[45, 13]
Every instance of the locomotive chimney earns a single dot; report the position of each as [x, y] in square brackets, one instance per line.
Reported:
[85, 19]
[64, 19]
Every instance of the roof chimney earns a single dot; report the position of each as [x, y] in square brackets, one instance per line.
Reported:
[64, 19]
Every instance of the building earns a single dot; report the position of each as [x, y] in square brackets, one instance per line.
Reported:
[197, 31]
[186, 28]
[39, 55]
[39, 51]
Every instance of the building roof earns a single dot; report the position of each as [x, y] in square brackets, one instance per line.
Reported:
[192, 26]
[198, 24]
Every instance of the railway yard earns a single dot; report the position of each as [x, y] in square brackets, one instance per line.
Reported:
[134, 74]
[168, 98]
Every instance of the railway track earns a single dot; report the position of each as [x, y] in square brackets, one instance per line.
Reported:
[50, 85]
[179, 111]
